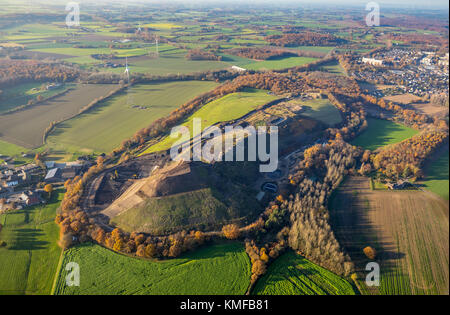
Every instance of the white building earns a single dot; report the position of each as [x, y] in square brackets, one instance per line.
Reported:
[239, 69]
[372, 61]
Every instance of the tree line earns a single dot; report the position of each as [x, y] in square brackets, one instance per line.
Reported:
[23, 71]
[304, 39]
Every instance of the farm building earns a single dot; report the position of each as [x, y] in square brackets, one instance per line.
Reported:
[30, 198]
[53, 175]
[402, 184]
[238, 69]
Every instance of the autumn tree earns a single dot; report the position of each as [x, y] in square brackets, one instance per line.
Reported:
[150, 250]
[231, 231]
[370, 252]
[48, 189]
[140, 250]
[118, 245]
[66, 240]
[258, 268]
[263, 255]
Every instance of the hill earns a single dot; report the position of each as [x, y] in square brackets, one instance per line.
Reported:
[184, 196]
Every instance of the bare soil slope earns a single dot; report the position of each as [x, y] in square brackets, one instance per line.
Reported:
[182, 196]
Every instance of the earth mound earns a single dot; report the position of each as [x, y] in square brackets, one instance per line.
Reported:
[185, 196]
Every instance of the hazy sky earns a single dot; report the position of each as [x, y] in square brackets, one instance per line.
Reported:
[397, 3]
[431, 4]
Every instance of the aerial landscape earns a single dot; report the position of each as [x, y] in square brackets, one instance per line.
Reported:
[237, 148]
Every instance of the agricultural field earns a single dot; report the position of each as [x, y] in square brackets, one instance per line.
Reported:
[381, 132]
[10, 149]
[30, 258]
[277, 64]
[92, 108]
[320, 49]
[172, 64]
[226, 108]
[39, 116]
[436, 175]
[408, 229]
[291, 274]
[34, 31]
[104, 127]
[20, 94]
[215, 269]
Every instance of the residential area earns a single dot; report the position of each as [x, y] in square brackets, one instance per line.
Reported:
[420, 73]
[23, 186]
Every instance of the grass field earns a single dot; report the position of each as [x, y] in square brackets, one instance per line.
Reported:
[173, 64]
[26, 127]
[276, 64]
[291, 274]
[34, 31]
[322, 110]
[409, 230]
[321, 49]
[30, 259]
[20, 94]
[229, 107]
[106, 126]
[211, 270]
[333, 67]
[436, 179]
[381, 133]
[10, 149]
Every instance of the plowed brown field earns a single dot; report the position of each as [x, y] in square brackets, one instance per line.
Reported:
[409, 229]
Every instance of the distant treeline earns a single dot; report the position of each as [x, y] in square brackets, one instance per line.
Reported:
[304, 39]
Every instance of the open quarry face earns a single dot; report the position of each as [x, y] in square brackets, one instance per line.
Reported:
[176, 178]
[175, 196]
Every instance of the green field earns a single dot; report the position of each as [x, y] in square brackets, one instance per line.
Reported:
[333, 67]
[172, 64]
[106, 126]
[229, 107]
[277, 64]
[26, 127]
[291, 274]
[29, 261]
[20, 94]
[10, 149]
[321, 49]
[436, 179]
[34, 31]
[322, 110]
[215, 269]
[381, 132]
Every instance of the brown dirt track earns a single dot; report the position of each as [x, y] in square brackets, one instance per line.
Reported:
[409, 229]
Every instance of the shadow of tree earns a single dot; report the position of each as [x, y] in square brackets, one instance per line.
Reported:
[28, 239]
